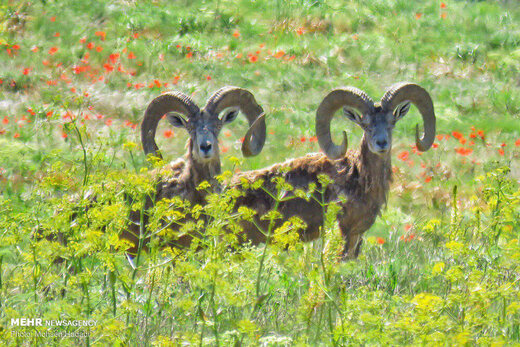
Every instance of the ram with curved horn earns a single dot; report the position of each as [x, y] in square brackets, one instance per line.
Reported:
[202, 160]
[361, 178]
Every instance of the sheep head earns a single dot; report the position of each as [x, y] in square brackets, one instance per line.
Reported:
[376, 119]
[204, 125]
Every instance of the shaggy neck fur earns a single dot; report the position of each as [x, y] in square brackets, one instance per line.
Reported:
[375, 172]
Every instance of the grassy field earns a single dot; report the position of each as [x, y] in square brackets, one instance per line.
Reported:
[439, 267]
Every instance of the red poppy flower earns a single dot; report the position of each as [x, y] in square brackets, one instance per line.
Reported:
[279, 54]
[53, 50]
[457, 135]
[501, 152]
[101, 35]
[418, 15]
[407, 238]
[236, 34]
[90, 45]
[443, 5]
[253, 59]
[113, 57]
[380, 240]
[168, 133]
[464, 151]
[517, 143]
[403, 155]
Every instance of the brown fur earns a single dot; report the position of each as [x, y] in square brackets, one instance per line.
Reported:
[180, 179]
[361, 177]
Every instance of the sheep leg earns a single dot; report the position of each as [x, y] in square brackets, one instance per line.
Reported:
[353, 242]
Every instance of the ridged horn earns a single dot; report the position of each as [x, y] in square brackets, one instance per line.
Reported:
[165, 103]
[348, 96]
[402, 92]
[238, 97]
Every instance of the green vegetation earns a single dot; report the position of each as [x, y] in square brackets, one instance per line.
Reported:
[440, 266]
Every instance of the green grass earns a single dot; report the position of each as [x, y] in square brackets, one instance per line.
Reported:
[440, 266]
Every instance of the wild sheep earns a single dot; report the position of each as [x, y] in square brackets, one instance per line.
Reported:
[361, 177]
[202, 161]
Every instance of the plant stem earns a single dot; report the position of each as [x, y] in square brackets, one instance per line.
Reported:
[264, 253]
[85, 161]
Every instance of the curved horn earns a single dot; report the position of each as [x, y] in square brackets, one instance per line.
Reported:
[165, 103]
[412, 92]
[233, 96]
[349, 96]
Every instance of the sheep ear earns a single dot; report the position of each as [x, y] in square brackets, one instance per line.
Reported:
[401, 110]
[352, 114]
[230, 115]
[176, 120]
